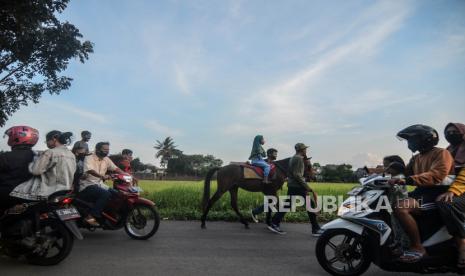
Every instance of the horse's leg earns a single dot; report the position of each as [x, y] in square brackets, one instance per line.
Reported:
[233, 193]
[211, 201]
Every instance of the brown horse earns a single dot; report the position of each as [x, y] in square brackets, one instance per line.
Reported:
[230, 178]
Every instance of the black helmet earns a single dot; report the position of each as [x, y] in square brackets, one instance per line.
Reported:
[419, 137]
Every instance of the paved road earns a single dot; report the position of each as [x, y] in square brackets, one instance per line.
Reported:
[182, 248]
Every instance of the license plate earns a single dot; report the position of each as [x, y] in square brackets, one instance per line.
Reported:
[67, 214]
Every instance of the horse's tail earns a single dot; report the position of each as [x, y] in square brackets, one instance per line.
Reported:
[206, 188]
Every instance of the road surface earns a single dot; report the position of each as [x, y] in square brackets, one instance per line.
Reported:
[182, 248]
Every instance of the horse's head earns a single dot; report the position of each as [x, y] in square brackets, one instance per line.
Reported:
[309, 173]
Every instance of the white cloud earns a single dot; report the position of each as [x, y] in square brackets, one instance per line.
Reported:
[449, 48]
[83, 113]
[161, 129]
[181, 60]
[370, 100]
[292, 103]
[181, 80]
[366, 159]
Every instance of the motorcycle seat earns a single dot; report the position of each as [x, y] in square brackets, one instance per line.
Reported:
[59, 193]
[80, 201]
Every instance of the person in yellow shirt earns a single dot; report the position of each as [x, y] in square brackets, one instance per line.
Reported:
[451, 204]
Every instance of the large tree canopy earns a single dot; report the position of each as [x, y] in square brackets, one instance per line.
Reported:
[35, 47]
[193, 165]
[338, 173]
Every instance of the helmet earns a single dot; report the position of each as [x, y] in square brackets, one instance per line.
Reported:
[22, 135]
[419, 137]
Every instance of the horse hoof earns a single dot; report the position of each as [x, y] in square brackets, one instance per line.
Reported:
[203, 226]
[246, 226]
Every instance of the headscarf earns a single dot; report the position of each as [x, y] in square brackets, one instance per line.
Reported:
[257, 148]
[458, 151]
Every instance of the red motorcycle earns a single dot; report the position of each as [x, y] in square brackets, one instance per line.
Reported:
[126, 208]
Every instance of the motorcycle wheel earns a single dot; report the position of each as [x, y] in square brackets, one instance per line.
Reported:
[142, 222]
[341, 253]
[56, 241]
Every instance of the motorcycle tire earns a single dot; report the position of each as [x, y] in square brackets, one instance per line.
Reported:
[59, 231]
[134, 221]
[325, 240]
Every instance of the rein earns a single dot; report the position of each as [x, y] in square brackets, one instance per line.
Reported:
[285, 169]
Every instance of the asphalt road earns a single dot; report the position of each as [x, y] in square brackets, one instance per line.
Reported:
[182, 248]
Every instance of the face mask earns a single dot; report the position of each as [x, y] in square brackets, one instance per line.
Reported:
[101, 154]
[413, 145]
[454, 138]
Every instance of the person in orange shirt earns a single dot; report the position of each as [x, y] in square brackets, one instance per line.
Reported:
[451, 204]
[426, 170]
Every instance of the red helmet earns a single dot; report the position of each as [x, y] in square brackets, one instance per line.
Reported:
[22, 135]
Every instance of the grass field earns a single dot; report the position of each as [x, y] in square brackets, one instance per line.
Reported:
[181, 200]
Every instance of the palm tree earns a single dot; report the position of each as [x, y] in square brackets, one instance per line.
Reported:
[166, 150]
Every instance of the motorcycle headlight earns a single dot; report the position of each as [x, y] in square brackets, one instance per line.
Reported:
[344, 209]
[127, 178]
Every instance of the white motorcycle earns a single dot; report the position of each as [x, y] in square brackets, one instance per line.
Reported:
[363, 234]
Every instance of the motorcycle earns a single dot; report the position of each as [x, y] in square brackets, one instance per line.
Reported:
[125, 209]
[363, 234]
[42, 231]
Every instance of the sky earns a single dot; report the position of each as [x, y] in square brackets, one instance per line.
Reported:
[340, 76]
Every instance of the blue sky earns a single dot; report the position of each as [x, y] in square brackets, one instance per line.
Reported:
[340, 76]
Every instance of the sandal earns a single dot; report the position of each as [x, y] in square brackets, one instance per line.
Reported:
[411, 256]
[92, 221]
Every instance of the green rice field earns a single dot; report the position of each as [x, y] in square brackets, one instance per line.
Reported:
[181, 200]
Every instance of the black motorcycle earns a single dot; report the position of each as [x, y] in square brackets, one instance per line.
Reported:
[42, 231]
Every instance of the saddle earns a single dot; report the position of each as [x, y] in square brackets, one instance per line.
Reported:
[254, 172]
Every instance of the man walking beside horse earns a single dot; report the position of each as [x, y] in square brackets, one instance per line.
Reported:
[296, 187]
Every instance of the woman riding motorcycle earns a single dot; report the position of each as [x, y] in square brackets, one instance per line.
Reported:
[53, 170]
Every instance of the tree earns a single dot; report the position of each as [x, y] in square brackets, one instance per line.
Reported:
[137, 165]
[337, 173]
[35, 47]
[316, 167]
[193, 165]
[166, 150]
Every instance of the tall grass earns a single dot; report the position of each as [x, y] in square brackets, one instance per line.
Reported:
[181, 200]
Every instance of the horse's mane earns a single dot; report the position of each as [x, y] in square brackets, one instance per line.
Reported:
[282, 164]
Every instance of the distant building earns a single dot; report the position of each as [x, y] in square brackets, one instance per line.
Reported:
[151, 173]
